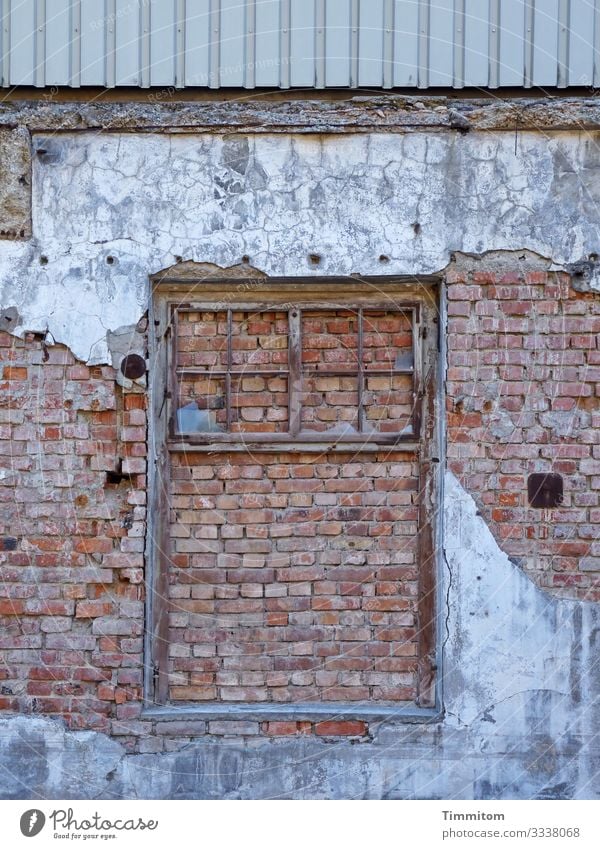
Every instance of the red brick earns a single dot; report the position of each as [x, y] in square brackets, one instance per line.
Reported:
[91, 609]
[14, 373]
[94, 545]
[287, 729]
[11, 607]
[341, 728]
[547, 374]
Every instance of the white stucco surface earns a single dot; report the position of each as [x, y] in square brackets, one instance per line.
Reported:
[413, 198]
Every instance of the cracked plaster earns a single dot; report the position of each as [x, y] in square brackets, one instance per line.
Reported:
[109, 209]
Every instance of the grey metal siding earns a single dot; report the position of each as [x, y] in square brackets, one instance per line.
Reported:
[300, 43]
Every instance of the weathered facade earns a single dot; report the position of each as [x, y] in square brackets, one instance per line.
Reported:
[321, 611]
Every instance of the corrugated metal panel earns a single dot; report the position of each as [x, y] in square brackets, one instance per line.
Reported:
[300, 43]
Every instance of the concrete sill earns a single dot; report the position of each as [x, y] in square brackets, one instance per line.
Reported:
[304, 712]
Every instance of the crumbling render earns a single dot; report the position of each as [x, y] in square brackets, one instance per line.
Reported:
[110, 209]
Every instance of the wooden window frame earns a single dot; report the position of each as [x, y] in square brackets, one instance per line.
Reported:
[203, 291]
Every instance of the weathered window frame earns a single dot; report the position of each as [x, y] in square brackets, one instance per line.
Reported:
[189, 286]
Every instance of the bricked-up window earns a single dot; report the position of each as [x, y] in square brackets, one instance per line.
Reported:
[308, 372]
[294, 496]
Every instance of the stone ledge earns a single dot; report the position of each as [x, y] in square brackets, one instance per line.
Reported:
[375, 114]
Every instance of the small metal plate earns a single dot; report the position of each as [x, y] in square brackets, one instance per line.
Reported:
[133, 366]
[545, 490]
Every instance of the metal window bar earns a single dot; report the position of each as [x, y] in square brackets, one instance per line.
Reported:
[173, 384]
[295, 371]
[228, 377]
[418, 390]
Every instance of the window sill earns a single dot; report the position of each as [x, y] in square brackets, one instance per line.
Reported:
[292, 446]
[263, 712]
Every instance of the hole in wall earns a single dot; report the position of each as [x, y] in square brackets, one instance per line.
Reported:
[246, 259]
[545, 491]
[110, 260]
[314, 259]
[43, 260]
[116, 476]
[384, 258]
[38, 336]
[416, 228]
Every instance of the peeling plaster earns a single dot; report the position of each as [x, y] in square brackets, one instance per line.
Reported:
[129, 339]
[144, 200]
[10, 319]
[511, 636]
[520, 681]
[585, 274]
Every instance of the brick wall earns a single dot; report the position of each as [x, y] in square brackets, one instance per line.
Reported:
[71, 538]
[72, 523]
[259, 367]
[293, 577]
[259, 343]
[523, 396]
